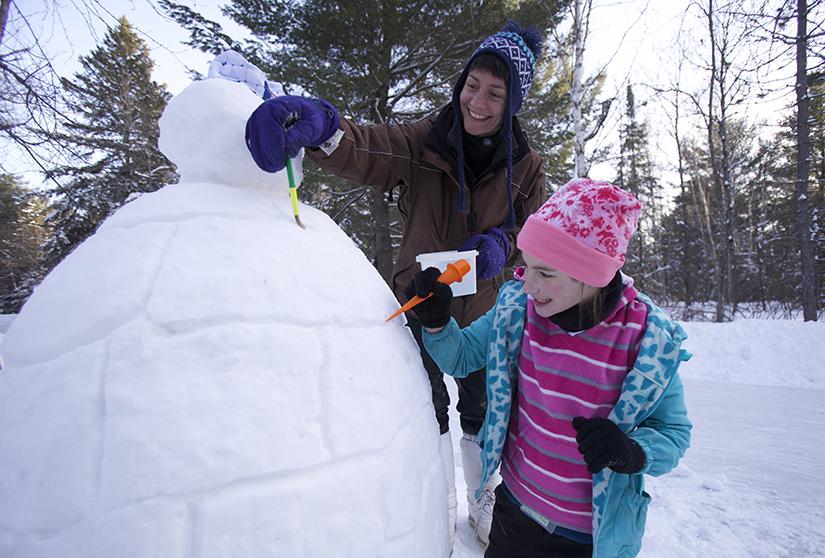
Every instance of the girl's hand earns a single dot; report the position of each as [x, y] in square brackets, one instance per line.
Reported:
[435, 311]
[603, 444]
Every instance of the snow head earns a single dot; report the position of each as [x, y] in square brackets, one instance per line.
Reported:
[202, 377]
[202, 132]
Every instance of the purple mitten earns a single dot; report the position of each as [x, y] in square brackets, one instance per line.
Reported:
[492, 249]
[281, 126]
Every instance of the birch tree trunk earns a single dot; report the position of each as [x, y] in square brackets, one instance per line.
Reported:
[719, 281]
[803, 163]
[576, 93]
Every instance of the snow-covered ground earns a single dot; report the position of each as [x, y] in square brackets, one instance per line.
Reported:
[751, 485]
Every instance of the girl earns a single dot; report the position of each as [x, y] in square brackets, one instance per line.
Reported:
[582, 383]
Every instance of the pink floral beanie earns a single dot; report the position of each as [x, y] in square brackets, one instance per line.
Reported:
[583, 230]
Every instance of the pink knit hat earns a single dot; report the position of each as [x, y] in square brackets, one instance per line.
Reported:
[583, 230]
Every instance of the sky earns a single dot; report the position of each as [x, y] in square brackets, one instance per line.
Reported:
[202, 377]
[632, 39]
[78, 27]
[624, 35]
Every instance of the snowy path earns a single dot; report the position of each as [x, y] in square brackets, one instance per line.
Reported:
[750, 486]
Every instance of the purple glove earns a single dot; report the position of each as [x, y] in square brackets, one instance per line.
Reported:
[281, 126]
[492, 248]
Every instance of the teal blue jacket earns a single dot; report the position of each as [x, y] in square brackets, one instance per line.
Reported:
[651, 408]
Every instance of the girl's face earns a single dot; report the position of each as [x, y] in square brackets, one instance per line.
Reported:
[551, 290]
[483, 99]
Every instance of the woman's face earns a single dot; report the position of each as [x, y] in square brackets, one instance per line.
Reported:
[551, 290]
[483, 99]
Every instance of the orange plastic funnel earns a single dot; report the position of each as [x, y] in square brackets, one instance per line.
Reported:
[454, 272]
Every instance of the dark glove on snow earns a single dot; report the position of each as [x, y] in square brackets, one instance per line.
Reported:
[281, 126]
[603, 444]
[492, 248]
[435, 311]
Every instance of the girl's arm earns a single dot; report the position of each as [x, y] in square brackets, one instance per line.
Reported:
[665, 434]
[460, 351]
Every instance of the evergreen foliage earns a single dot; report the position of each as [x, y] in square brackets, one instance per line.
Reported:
[635, 173]
[725, 236]
[377, 62]
[113, 140]
[767, 274]
[21, 236]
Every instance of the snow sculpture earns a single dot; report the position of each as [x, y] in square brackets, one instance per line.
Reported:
[203, 378]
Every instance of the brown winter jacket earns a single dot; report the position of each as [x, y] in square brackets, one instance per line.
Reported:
[420, 160]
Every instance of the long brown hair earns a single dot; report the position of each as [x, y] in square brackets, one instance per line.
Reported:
[591, 310]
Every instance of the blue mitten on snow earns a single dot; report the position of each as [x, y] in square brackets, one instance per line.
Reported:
[492, 248]
[281, 126]
[434, 311]
[603, 444]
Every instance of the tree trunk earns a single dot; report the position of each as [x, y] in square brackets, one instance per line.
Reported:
[382, 243]
[710, 244]
[803, 163]
[579, 163]
[719, 281]
[726, 198]
[686, 255]
[4, 17]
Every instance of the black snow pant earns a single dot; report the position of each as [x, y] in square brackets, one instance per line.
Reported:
[516, 535]
[472, 391]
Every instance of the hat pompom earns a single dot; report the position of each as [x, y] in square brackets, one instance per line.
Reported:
[530, 36]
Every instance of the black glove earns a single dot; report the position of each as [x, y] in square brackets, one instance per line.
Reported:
[281, 126]
[492, 248]
[603, 444]
[435, 311]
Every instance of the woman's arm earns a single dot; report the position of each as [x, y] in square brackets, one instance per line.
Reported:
[379, 156]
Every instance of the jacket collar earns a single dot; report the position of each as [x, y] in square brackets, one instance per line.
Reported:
[441, 140]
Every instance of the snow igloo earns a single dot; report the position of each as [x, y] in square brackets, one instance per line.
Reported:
[204, 378]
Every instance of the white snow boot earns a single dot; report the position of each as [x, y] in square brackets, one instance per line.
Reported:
[449, 471]
[481, 509]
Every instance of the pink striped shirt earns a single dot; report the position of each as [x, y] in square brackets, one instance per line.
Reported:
[561, 376]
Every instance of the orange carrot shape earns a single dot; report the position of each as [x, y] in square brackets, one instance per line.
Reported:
[455, 272]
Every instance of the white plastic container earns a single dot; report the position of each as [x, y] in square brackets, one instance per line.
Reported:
[440, 260]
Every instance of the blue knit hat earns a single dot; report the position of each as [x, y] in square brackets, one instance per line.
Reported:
[519, 49]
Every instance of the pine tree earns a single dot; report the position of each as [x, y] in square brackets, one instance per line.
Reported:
[115, 137]
[635, 174]
[376, 62]
[21, 237]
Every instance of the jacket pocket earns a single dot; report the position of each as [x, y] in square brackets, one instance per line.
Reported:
[630, 518]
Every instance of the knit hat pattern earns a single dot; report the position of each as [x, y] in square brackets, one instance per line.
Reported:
[520, 49]
[583, 230]
[520, 60]
[232, 66]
